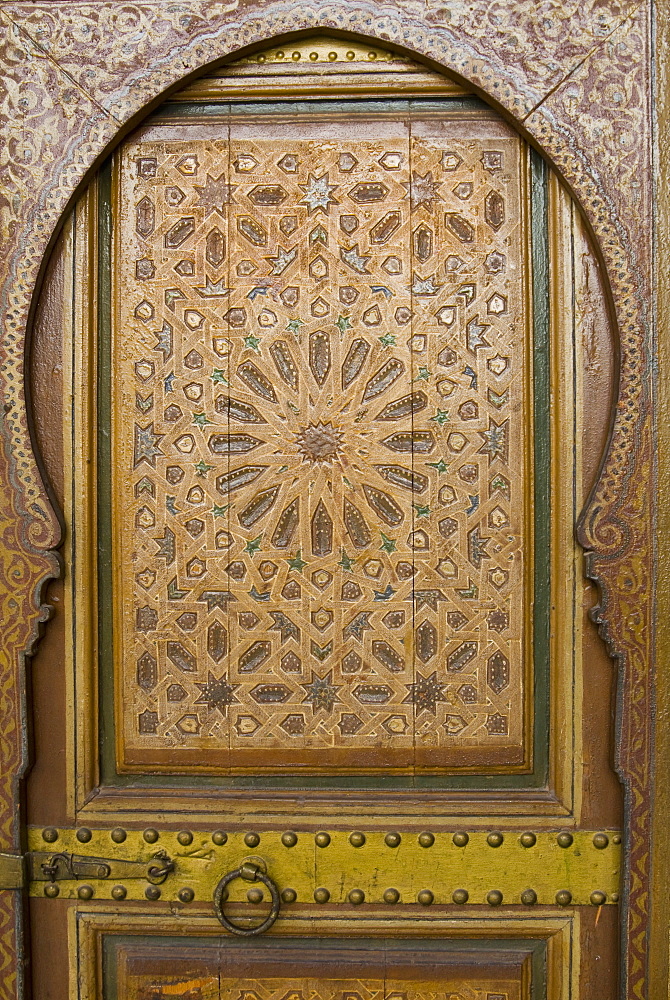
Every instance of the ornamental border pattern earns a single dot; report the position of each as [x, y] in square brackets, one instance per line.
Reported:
[57, 131]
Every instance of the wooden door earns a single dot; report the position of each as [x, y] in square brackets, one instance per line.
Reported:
[322, 375]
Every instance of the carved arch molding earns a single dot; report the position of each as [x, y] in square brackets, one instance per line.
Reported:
[76, 76]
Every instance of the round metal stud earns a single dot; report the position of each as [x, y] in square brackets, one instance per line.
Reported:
[391, 896]
[598, 898]
[392, 839]
[314, 56]
[152, 892]
[529, 897]
[356, 839]
[460, 839]
[51, 890]
[85, 891]
[118, 835]
[600, 840]
[425, 897]
[563, 897]
[528, 839]
[150, 835]
[50, 834]
[322, 839]
[119, 892]
[252, 839]
[356, 896]
[564, 839]
[494, 839]
[185, 837]
[219, 837]
[255, 895]
[615, 897]
[332, 56]
[616, 839]
[289, 896]
[321, 895]
[351, 55]
[289, 839]
[494, 897]
[426, 839]
[186, 895]
[460, 896]
[84, 835]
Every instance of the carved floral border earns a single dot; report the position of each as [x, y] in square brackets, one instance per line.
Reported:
[574, 75]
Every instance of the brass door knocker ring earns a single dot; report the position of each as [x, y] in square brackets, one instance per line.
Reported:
[250, 873]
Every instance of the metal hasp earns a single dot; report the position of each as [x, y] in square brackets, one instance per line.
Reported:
[18, 870]
[12, 871]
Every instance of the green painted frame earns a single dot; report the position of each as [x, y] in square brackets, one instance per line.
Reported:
[540, 280]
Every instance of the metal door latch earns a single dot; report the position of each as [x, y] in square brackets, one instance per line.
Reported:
[17, 870]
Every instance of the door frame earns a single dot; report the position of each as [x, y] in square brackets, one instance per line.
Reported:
[60, 127]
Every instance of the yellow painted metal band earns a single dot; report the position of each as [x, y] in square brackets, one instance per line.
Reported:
[588, 873]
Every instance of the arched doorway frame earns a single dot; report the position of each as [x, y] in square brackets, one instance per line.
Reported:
[78, 82]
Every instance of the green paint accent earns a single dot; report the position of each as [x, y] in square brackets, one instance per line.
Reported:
[218, 376]
[201, 420]
[542, 458]
[219, 511]
[423, 374]
[254, 545]
[104, 526]
[293, 325]
[201, 468]
[366, 106]
[346, 563]
[441, 466]
[321, 652]
[252, 342]
[441, 417]
[388, 340]
[388, 544]
[173, 592]
[343, 323]
[297, 562]
[542, 509]
[421, 510]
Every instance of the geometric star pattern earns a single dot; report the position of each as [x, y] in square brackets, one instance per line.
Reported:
[319, 467]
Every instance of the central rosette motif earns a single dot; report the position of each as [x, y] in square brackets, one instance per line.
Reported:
[320, 442]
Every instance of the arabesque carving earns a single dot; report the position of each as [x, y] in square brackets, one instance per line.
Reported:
[321, 466]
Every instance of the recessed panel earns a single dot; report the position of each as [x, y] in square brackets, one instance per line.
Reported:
[322, 444]
[319, 970]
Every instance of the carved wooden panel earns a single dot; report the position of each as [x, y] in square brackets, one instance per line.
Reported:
[321, 444]
[215, 987]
